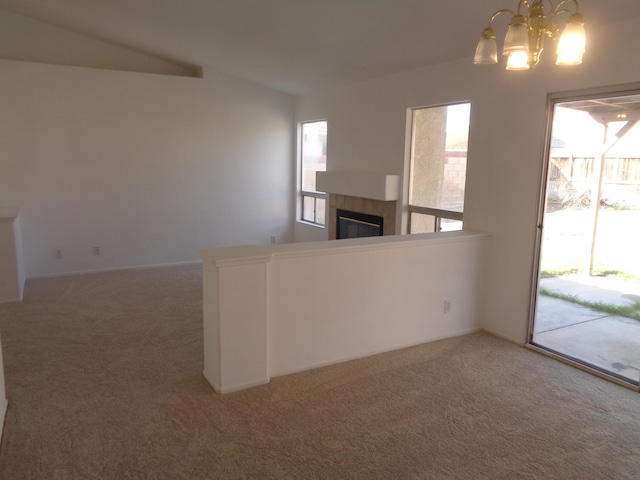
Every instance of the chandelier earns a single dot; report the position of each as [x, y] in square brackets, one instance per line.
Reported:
[524, 41]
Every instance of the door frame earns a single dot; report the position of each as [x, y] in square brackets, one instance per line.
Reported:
[552, 100]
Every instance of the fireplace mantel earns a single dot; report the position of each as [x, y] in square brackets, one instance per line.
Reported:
[374, 186]
[361, 192]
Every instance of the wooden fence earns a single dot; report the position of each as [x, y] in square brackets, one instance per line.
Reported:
[570, 178]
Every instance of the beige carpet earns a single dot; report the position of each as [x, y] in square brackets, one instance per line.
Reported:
[103, 377]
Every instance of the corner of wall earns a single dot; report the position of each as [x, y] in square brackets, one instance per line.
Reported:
[3, 399]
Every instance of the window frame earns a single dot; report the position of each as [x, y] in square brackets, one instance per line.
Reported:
[437, 213]
[304, 194]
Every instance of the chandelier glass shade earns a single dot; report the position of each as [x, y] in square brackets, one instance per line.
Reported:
[524, 41]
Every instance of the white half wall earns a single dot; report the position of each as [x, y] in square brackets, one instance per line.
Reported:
[270, 311]
[367, 125]
[150, 168]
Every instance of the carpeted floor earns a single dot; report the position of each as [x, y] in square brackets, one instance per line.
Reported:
[104, 381]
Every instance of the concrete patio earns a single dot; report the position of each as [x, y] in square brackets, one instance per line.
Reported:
[606, 341]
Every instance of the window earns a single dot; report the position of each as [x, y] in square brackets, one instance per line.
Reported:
[313, 158]
[439, 138]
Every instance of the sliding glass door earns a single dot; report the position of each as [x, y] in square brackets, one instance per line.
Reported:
[587, 295]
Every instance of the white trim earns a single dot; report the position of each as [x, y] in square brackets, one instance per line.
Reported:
[9, 212]
[233, 388]
[394, 348]
[11, 300]
[311, 224]
[115, 269]
[230, 256]
[359, 245]
[504, 337]
[235, 262]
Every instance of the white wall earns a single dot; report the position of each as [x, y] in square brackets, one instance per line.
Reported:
[367, 133]
[150, 168]
[25, 38]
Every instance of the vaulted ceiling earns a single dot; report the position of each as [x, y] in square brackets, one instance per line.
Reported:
[295, 45]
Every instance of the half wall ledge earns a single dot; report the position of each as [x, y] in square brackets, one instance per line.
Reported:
[278, 309]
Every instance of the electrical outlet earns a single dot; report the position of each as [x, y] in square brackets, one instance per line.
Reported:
[273, 239]
[57, 253]
[447, 306]
[96, 251]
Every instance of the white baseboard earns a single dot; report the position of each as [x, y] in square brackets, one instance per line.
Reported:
[11, 300]
[370, 353]
[233, 388]
[115, 269]
[505, 337]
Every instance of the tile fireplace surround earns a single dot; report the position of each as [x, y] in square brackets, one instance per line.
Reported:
[384, 209]
[361, 192]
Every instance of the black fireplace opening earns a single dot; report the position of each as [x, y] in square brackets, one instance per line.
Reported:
[356, 225]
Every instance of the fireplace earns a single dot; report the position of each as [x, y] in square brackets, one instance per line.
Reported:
[363, 210]
[369, 194]
[355, 224]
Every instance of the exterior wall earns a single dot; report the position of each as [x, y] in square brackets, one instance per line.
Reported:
[429, 144]
[455, 170]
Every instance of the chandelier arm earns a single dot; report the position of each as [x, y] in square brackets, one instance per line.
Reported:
[504, 10]
[564, 10]
[525, 3]
[549, 28]
[552, 7]
[558, 9]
